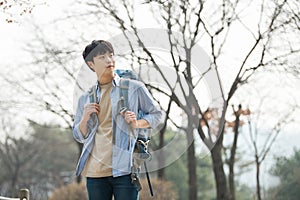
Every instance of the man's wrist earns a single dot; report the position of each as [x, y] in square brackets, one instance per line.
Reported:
[135, 124]
[84, 120]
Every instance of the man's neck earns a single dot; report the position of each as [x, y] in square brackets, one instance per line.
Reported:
[104, 81]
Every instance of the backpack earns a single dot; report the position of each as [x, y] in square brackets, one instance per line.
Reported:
[142, 141]
[141, 153]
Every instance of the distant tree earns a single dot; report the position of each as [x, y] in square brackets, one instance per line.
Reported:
[205, 178]
[37, 160]
[235, 125]
[243, 192]
[46, 86]
[14, 161]
[177, 172]
[261, 147]
[288, 172]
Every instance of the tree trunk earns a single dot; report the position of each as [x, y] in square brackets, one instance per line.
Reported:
[257, 178]
[232, 157]
[192, 167]
[161, 157]
[220, 178]
[231, 195]
[14, 181]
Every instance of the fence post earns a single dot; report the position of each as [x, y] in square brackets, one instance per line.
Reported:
[24, 194]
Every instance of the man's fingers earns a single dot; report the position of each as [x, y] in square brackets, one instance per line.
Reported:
[130, 116]
[92, 108]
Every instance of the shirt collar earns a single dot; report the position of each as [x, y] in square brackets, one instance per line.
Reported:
[116, 80]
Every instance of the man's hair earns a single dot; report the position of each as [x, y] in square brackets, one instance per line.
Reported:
[96, 47]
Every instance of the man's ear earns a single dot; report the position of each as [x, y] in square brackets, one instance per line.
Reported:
[91, 65]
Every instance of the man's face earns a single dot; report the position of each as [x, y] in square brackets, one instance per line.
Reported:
[103, 65]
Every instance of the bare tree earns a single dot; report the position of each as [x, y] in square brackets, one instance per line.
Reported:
[235, 125]
[211, 23]
[13, 159]
[28, 160]
[46, 87]
[262, 148]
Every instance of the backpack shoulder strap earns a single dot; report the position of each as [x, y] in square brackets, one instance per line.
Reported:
[122, 106]
[93, 94]
[124, 86]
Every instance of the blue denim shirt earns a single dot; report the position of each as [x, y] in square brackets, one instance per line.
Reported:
[139, 100]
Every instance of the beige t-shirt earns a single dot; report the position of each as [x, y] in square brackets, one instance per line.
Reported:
[99, 163]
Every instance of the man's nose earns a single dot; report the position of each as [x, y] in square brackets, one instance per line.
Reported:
[109, 59]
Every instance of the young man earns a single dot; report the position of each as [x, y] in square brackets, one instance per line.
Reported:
[109, 135]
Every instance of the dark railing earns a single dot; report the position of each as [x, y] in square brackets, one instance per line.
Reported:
[23, 195]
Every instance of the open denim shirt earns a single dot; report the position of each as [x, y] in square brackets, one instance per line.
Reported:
[139, 100]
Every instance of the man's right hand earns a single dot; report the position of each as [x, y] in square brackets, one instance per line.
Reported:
[88, 110]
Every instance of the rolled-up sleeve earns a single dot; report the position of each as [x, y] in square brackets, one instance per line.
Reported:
[150, 108]
[76, 131]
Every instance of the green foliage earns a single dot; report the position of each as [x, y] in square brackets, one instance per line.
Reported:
[36, 161]
[243, 192]
[57, 147]
[177, 172]
[288, 171]
[206, 183]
